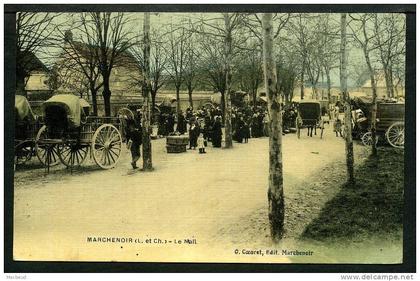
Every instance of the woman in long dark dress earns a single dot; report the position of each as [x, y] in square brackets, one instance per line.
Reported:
[194, 132]
[162, 125]
[181, 126]
[240, 132]
[170, 122]
[217, 132]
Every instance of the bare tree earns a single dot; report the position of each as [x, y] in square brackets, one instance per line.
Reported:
[177, 57]
[328, 55]
[346, 98]
[250, 70]
[359, 72]
[275, 182]
[191, 71]
[287, 76]
[302, 41]
[254, 24]
[146, 118]
[229, 25]
[34, 33]
[213, 69]
[389, 31]
[225, 29]
[110, 33]
[158, 63]
[363, 37]
[79, 59]
[68, 77]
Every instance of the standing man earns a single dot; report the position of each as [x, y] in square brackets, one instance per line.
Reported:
[134, 138]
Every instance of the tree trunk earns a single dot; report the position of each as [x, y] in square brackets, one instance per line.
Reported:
[178, 102]
[302, 81]
[346, 98]
[94, 93]
[223, 106]
[228, 106]
[374, 110]
[146, 128]
[374, 101]
[327, 72]
[254, 98]
[152, 107]
[389, 82]
[106, 93]
[190, 99]
[275, 180]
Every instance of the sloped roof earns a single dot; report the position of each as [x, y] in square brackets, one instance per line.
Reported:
[31, 62]
[126, 58]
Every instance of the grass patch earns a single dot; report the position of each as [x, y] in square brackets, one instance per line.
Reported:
[373, 206]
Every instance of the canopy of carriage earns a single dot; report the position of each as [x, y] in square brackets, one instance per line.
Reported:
[309, 110]
[65, 107]
[23, 109]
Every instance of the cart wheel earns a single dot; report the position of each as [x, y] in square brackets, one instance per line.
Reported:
[23, 152]
[72, 154]
[125, 112]
[395, 134]
[106, 146]
[44, 149]
[367, 139]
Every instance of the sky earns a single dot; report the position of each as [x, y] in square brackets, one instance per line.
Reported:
[160, 20]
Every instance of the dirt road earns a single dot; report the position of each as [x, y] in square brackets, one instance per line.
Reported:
[187, 196]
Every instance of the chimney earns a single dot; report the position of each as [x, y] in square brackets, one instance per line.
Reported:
[68, 36]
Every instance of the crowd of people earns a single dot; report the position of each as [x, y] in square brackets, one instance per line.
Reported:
[204, 126]
[247, 122]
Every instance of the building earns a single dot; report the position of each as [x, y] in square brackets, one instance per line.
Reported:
[124, 79]
[381, 90]
[38, 80]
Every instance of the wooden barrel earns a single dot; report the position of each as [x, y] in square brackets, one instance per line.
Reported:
[176, 144]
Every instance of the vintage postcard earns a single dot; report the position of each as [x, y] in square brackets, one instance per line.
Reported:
[215, 136]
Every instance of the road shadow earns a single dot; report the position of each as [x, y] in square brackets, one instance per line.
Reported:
[372, 206]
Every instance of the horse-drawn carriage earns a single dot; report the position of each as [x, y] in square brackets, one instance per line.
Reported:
[309, 115]
[389, 121]
[27, 125]
[69, 134]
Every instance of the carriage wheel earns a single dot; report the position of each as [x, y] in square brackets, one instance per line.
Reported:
[395, 134]
[124, 111]
[23, 152]
[72, 154]
[367, 139]
[43, 149]
[106, 146]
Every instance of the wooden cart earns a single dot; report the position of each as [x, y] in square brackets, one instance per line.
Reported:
[389, 122]
[27, 124]
[309, 116]
[71, 135]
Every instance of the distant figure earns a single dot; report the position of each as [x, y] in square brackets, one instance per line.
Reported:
[170, 122]
[181, 126]
[134, 140]
[162, 124]
[266, 126]
[337, 127]
[246, 133]
[217, 132]
[200, 144]
[193, 134]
